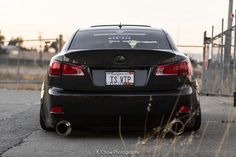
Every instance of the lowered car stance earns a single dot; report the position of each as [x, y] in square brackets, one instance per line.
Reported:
[120, 76]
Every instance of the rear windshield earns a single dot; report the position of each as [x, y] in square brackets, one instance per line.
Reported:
[120, 39]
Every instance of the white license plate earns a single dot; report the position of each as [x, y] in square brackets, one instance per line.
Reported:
[119, 78]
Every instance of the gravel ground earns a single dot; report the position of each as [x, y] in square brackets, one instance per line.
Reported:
[21, 135]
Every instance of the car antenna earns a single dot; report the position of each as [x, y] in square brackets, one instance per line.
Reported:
[120, 25]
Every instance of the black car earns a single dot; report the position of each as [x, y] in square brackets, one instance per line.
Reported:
[119, 76]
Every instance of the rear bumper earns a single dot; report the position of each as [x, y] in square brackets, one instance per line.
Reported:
[102, 110]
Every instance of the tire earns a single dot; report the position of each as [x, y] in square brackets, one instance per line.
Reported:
[41, 117]
[197, 119]
[197, 122]
[42, 122]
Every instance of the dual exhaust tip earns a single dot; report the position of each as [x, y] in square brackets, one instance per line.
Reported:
[63, 128]
[176, 127]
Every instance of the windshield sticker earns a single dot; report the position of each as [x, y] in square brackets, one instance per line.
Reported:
[116, 34]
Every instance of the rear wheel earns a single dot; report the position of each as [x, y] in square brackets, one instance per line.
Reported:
[41, 113]
[197, 118]
[197, 121]
[42, 121]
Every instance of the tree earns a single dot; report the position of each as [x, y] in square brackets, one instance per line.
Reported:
[2, 38]
[54, 45]
[46, 47]
[16, 42]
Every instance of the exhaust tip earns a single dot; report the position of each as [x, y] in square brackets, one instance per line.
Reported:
[177, 127]
[63, 128]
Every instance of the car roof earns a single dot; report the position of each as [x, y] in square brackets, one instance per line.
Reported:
[120, 26]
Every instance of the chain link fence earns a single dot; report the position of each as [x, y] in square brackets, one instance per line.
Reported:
[23, 68]
[20, 68]
[219, 62]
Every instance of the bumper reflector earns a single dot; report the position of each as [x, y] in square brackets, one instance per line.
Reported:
[56, 109]
[184, 109]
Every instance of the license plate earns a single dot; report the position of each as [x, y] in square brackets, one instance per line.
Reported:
[119, 78]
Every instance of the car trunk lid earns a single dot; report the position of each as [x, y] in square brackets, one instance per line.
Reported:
[138, 64]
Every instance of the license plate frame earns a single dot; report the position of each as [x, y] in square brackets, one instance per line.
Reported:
[119, 78]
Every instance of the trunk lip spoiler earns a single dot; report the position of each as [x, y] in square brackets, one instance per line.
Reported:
[121, 49]
[165, 53]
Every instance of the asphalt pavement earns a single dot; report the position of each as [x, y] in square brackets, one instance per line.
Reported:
[21, 135]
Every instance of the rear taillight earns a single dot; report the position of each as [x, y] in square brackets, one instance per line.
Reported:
[72, 70]
[57, 69]
[182, 68]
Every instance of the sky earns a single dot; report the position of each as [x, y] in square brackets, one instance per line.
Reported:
[185, 20]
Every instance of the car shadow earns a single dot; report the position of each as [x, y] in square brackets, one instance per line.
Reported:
[138, 135]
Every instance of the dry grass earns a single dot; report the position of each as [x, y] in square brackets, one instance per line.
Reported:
[21, 86]
[177, 145]
[26, 73]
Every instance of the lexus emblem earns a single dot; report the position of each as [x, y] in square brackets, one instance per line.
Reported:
[119, 59]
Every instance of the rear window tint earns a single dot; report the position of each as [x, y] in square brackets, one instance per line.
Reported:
[118, 39]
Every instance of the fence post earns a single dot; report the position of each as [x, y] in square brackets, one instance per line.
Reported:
[222, 42]
[18, 65]
[221, 57]
[60, 42]
[234, 60]
[228, 36]
[40, 51]
[7, 62]
[234, 99]
[203, 64]
[212, 41]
